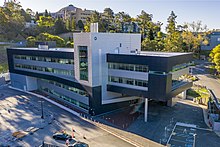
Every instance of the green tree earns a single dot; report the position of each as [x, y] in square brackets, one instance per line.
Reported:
[37, 16]
[59, 26]
[215, 57]
[80, 24]
[157, 44]
[194, 35]
[67, 23]
[31, 41]
[70, 24]
[49, 37]
[173, 41]
[45, 21]
[11, 21]
[108, 16]
[144, 20]
[46, 14]
[26, 16]
[120, 19]
[73, 24]
[95, 18]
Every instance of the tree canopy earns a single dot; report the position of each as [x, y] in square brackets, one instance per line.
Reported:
[215, 57]
[11, 21]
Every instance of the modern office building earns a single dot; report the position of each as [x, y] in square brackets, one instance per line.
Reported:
[103, 72]
[213, 39]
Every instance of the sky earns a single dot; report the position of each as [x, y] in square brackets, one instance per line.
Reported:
[186, 10]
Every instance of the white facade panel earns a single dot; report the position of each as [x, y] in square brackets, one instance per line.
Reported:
[128, 74]
[98, 45]
[103, 43]
[82, 39]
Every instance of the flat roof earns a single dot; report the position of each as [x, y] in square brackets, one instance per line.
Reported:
[161, 54]
[50, 49]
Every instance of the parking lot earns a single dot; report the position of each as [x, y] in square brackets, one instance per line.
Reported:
[162, 119]
[183, 135]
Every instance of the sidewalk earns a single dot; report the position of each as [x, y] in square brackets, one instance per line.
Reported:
[205, 114]
[132, 138]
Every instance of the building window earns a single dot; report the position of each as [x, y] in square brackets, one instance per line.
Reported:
[45, 59]
[83, 62]
[45, 69]
[65, 98]
[129, 81]
[129, 67]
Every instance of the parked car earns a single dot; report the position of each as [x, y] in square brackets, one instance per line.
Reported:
[74, 143]
[61, 136]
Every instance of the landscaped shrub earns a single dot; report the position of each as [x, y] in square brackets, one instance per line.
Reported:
[200, 93]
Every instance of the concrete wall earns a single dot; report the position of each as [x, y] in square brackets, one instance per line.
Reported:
[18, 81]
[23, 82]
[31, 83]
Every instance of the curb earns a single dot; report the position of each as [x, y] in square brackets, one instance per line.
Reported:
[103, 127]
[78, 115]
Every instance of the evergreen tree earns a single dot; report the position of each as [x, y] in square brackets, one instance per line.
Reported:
[173, 40]
[144, 20]
[36, 16]
[11, 21]
[80, 24]
[73, 25]
[46, 14]
[67, 24]
[59, 26]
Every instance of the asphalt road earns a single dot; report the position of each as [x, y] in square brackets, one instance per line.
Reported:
[25, 112]
[201, 71]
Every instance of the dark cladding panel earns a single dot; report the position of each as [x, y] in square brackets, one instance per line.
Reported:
[154, 63]
[159, 86]
[127, 91]
[175, 60]
[41, 53]
[180, 89]
[96, 106]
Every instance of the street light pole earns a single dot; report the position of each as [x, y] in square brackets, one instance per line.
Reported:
[42, 110]
[194, 142]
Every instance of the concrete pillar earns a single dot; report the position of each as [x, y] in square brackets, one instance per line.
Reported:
[183, 94]
[170, 102]
[146, 109]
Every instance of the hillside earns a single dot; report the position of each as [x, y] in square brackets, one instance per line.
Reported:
[3, 59]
